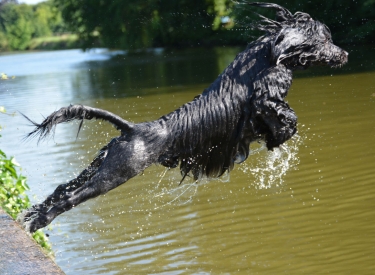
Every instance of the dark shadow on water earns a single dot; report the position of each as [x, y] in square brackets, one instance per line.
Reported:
[130, 75]
[166, 71]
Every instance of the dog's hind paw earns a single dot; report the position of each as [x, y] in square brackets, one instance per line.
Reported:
[32, 220]
[25, 217]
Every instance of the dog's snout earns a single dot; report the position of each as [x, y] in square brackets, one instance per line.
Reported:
[344, 55]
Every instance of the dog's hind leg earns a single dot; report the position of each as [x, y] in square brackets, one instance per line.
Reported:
[62, 189]
[123, 161]
[72, 185]
[77, 182]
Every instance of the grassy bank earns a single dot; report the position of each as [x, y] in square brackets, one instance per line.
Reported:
[65, 41]
[13, 197]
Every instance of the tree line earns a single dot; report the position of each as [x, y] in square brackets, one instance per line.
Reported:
[137, 24]
[20, 23]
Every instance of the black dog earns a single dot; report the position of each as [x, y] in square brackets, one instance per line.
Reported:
[209, 134]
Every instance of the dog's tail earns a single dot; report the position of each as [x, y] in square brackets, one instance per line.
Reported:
[76, 112]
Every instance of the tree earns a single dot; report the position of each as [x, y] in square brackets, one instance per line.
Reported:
[15, 23]
[136, 24]
[3, 2]
[47, 19]
[19, 23]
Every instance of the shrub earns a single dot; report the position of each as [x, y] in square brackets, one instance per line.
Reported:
[13, 197]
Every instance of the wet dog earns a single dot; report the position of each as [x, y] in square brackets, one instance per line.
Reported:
[208, 135]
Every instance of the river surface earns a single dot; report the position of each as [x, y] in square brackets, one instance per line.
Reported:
[308, 208]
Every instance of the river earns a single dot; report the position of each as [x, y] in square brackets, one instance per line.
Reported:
[307, 208]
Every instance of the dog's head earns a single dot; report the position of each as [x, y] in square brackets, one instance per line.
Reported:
[299, 41]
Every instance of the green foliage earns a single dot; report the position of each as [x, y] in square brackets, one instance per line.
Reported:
[170, 23]
[12, 187]
[65, 41]
[20, 23]
[139, 24]
[144, 23]
[13, 198]
[3, 41]
[15, 21]
[48, 19]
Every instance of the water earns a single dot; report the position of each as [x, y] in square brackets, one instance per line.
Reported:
[306, 208]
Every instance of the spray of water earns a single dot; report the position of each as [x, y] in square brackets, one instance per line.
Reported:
[265, 168]
[180, 194]
[269, 168]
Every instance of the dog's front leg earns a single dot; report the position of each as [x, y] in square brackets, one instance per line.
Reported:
[280, 121]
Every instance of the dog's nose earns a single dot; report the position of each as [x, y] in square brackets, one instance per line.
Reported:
[345, 57]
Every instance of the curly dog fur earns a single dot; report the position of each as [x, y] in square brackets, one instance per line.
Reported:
[208, 135]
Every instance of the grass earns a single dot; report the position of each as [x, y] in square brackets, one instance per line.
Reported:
[58, 42]
[13, 197]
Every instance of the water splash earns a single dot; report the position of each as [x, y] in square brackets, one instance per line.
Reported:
[180, 195]
[270, 167]
[183, 193]
[167, 191]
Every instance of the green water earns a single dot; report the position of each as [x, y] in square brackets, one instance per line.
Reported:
[307, 208]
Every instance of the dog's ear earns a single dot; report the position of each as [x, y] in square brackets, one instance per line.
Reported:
[285, 44]
[282, 13]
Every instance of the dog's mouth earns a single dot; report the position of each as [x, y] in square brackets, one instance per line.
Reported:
[339, 60]
[334, 61]
[338, 65]
[332, 56]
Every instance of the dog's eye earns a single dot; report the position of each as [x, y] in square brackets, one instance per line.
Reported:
[279, 38]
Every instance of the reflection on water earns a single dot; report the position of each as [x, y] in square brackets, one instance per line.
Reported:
[305, 208]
